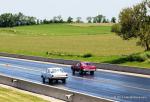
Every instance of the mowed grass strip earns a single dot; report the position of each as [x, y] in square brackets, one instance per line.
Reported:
[8, 95]
[98, 45]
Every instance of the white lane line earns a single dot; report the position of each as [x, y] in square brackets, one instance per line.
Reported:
[36, 61]
[18, 67]
[101, 79]
[111, 71]
[125, 73]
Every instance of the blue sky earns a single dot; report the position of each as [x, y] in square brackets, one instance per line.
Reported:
[75, 8]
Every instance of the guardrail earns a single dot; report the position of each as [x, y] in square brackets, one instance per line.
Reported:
[51, 91]
[70, 62]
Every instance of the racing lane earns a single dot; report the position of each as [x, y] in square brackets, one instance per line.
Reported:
[114, 86]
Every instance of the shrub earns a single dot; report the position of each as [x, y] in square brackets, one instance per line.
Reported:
[87, 55]
[140, 57]
[135, 57]
[116, 28]
[147, 54]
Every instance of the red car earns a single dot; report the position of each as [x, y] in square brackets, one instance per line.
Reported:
[83, 67]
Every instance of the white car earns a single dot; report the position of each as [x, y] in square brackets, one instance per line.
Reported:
[54, 74]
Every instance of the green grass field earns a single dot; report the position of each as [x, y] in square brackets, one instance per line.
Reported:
[69, 42]
[56, 30]
[8, 95]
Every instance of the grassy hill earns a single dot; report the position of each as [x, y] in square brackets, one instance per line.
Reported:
[69, 41]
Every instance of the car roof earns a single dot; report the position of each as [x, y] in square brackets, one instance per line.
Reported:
[54, 68]
[84, 62]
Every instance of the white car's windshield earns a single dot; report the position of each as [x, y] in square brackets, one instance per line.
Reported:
[56, 70]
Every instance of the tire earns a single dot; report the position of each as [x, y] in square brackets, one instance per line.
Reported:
[92, 73]
[64, 80]
[85, 73]
[56, 81]
[73, 72]
[81, 72]
[50, 81]
[43, 79]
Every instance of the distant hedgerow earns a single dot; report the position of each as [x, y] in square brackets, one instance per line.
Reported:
[87, 55]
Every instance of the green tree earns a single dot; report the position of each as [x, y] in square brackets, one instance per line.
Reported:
[59, 19]
[20, 18]
[105, 20]
[113, 20]
[135, 23]
[10, 20]
[94, 20]
[89, 19]
[30, 20]
[7, 20]
[69, 20]
[78, 20]
[37, 21]
[55, 19]
[99, 18]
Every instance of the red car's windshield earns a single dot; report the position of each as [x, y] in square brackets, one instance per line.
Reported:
[87, 64]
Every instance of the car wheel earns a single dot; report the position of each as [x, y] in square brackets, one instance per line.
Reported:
[73, 72]
[92, 73]
[50, 81]
[84, 73]
[64, 80]
[81, 72]
[43, 79]
[56, 81]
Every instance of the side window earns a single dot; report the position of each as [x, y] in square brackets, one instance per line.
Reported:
[48, 71]
[78, 64]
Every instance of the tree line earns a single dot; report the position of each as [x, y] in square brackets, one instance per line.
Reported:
[96, 19]
[10, 20]
[19, 19]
